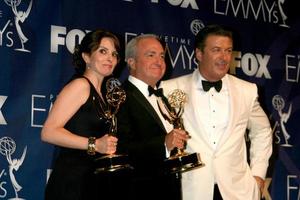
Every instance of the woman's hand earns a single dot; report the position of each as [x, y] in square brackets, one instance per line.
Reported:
[107, 144]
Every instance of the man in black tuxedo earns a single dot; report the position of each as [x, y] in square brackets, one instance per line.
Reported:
[142, 131]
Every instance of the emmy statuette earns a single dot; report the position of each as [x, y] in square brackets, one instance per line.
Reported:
[172, 109]
[115, 96]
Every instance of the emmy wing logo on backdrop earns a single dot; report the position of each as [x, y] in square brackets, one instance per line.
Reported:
[278, 104]
[20, 17]
[283, 16]
[271, 11]
[7, 148]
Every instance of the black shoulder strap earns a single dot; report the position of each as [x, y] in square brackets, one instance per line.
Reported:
[92, 86]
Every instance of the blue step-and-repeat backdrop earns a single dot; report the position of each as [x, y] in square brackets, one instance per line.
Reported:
[37, 38]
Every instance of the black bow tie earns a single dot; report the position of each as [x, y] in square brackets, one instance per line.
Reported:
[207, 85]
[158, 92]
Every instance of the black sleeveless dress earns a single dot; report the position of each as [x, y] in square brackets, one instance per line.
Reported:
[73, 175]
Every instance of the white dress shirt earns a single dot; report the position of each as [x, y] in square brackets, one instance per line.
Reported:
[214, 110]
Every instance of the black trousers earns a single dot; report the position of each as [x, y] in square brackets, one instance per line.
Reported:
[217, 194]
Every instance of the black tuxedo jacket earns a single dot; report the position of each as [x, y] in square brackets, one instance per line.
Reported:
[141, 133]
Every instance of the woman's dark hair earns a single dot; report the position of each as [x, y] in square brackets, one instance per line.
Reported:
[89, 44]
[212, 29]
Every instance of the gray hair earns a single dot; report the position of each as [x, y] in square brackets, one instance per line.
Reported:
[130, 51]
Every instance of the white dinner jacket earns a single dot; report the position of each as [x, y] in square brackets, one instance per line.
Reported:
[227, 165]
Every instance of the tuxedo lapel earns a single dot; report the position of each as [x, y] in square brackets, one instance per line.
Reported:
[143, 102]
[194, 109]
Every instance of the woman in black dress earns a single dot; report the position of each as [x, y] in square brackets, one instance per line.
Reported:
[74, 124]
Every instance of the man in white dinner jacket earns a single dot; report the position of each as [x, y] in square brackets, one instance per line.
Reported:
[220, 110]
